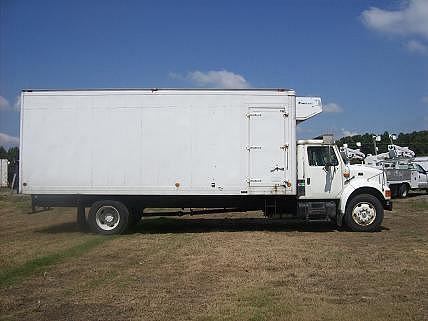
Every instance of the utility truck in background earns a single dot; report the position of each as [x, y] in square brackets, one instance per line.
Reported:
[403, 173]
[119, 151]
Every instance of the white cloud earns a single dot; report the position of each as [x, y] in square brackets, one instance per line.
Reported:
[346, 133]
[214, 78]
[411, 19]
[5, 105]
[416, 47]
[6, 139]
[332, 108]
[17, 104]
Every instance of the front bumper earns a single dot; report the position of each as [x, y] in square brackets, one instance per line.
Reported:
[387, 205]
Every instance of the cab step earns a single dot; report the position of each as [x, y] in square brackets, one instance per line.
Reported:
[317, 211]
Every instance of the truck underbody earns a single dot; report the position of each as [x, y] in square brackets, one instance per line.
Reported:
[273, 206]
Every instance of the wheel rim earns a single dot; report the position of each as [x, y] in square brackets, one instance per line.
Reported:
[364, 213]
[107, 217]
[405, 192]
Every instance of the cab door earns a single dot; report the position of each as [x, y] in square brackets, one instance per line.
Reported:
[322, 173]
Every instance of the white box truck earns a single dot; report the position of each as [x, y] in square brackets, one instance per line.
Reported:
[119, 151]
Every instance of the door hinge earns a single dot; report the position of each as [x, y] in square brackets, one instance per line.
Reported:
[253, 147]
[253, 115]
[284, 147]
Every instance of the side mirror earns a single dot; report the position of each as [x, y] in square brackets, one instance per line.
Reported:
[328, 164]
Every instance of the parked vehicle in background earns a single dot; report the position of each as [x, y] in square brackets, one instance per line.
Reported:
[421, 161]
[402, 172]
[122, 150]
[4, 163]
[420, 176]
[403, 176]
[352, 155]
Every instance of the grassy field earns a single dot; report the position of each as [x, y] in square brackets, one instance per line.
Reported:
[231, 266]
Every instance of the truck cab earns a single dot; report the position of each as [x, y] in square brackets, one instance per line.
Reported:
[419, 176]
[353, 195]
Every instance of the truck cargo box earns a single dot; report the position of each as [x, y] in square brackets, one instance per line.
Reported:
[160, 141]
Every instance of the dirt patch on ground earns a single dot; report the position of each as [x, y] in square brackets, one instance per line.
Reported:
[231, 266]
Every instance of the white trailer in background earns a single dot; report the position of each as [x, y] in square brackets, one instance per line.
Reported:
[122, 150]
[3, 172]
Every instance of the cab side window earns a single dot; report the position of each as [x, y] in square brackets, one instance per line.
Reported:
[321, 156]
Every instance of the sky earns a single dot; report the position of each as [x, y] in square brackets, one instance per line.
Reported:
[367, 60]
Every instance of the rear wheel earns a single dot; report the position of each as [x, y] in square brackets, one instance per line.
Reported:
[108, 217]
[403, 190]
[364, 213]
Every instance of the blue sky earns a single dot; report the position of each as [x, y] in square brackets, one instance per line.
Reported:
[368, 60]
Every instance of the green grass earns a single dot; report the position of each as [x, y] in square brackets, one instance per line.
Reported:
[420, 205]
[255, 304]
[18, 273]
[20, 202]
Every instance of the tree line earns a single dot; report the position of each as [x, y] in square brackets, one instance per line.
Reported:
[417, 141]
[11, 154]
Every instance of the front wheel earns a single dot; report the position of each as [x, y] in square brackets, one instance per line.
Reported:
[108, 217]
[364, 213]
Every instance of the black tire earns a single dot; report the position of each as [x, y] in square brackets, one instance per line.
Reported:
[365, 202]
[81, 221]
[99, 216]
[403, 191]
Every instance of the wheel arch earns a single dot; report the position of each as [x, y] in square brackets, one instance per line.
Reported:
[349, 194]
[366, 190]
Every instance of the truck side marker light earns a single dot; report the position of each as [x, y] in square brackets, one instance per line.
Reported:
[388, 193]
[288, 184]
[177, 184]
[346, 173]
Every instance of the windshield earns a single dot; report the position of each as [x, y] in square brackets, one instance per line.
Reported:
[419, 168]
[344, 157]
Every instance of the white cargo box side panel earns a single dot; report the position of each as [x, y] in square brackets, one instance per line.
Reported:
[145, 142]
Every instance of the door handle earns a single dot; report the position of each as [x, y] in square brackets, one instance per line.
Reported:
[308, 181]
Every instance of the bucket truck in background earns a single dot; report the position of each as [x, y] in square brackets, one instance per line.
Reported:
[402, 173]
